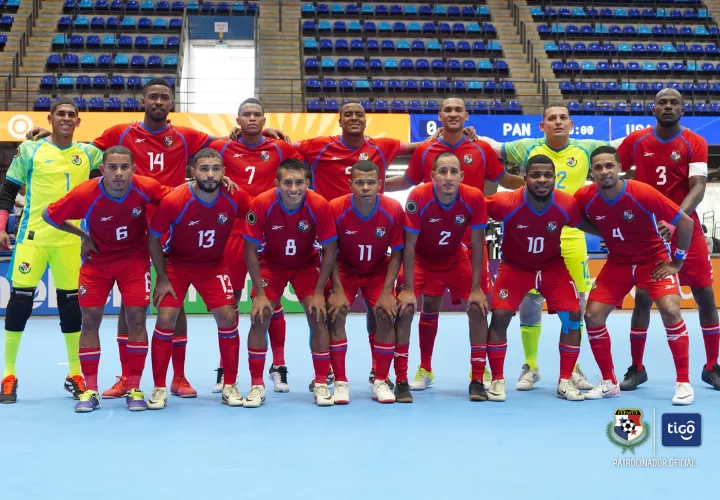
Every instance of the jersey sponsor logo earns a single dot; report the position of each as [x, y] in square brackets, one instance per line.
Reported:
[168, 141]
[24, 267]
[222, 218]
[363, 156]
[468, 159]
[460, 219]
[647, 153]
[76, 159]
[600, 217]
[137, 141]
[520, 226]
[411, 207]
[349, 232]
[380, 232]
[675, 156]
[48, 161]
[552, 226]
[136, 212]
[627, 429]
[251, 218]
[303, 226]
[265, 155]
[238, 155]
[571, 162]
[193, 223]
[105, 219]
[275, 228]
[628, 215]
[82, 289]
[503, 294]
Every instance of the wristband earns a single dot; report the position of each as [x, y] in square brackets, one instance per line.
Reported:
[680, 254]
[3, 220]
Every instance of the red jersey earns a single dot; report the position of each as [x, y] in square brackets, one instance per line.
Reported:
[162, 155]
[363, 241]
[478, 160]
[532, 239]
[628, 224]
[441, 227]
[330, 160]
[288, 237]
[118, 226]
[665, 165]
[198, 230]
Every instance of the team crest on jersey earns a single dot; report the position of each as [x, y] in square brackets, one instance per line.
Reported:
[265, 155]
[303, 226]
[82, 289]
[460, 219]
[363, 156]
[263, 282]
[675, 156]
[168, 140]
[380, 232]
[552, 226]
[136, 212]
[628, 215]
[24, 267]
[467, 159]
[503, 294]
[222, 218]
[251, 218]
[571, 162]
[411, 207]
[76, 159]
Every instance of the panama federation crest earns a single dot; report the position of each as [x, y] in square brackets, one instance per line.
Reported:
[468, 159]
[627, 429]
[222, 218]
[675, 156]
[571, 162]
[363, 156]
[460, 219]
[380, 232]
[168, 140]
[552, 226]
[503, 294]
[76, 159]
[82, 289]
[136, 212]
[24, 267]
[628, 215]
[303, 226]
[265, 155]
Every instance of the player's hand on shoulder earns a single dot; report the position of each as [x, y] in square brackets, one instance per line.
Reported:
[278, 134]
[87, 246]
[335, 304]
[664, 269]
[478, 299]
[162, 288]
[235, 133]
[316, 307]
[260, 303]
[5, 240]
[470, 133]
[37, 133]
[405, 300]
[388, 304]
[229, 184]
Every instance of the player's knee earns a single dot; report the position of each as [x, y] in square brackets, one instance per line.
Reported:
[642, 299]
[383, 320]
[431, 305]
[593, 316]
[530, 311]
[91, 318]
[500, 319]
[19, 309]
[136, 318]
[670, 312]
[69, 311]
[704, 297]
[569, 320]
[225, 318]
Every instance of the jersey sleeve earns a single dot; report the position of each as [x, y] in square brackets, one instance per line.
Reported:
[592, 144]
[310, 148]
[110, 138]
[218, 144]
[243, 202]
[17, 172]
[255, 221]
[581, 197]
[657, 203]
[389, 147]
[155, 191]
[289, 152]
[166, 213]
[625, 152]
[496, 206]
[698, 164]
[572, 209]
[196, 140]
[515, 151]
[397, 236]
[412, 215]
[479, 217]
[72, 206]
[326, 231]
[95, 155]
[493, 167]
[414, 171]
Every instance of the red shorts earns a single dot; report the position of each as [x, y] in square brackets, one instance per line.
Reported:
[131, 275]
[211, 282]
[235, 260]
[371, 286]
[553, 281]
[616, 280]
[697, 271]
[275, 279]
[457, 279]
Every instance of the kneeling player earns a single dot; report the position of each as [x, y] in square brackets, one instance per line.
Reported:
[286, 221]
[533, 218]
[367, 224]
[199, 216]
[626, 213]
[114, 207]
[434, 259]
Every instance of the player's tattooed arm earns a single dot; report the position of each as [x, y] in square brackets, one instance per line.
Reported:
[587, 226]
[386, 302]
[406, 298]
[477, 296]
[260, 303]
[337, 300]
[162, 283]
[317, 301]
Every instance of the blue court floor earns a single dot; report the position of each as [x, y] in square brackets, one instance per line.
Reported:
[440, 447]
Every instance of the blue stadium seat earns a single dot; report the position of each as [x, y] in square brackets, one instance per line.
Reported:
[71, 61]
[117, 82]
[414, 107]
[147, 6]
[362, 85]
[162, 7]
[410, 86]
[341, 46]
[108, 41]
[311, 65]
[131, 104]
[313, 106]
[112, 23]
[141, 42]
[129, 23]
[170, 62]
[431, 107]
[121, 61]
[154, 62]
[42, 104]
[48, 82]
[397, 106]
[64, 23]
[99, 82]
[59, 42]
[81, 23]
[104, 61]
[83, 82]
[113, 104]
[80, 103]
[175, 24]
[156, 42]
[88, 61]
[125, 42]
[92, 42]
[132, 6]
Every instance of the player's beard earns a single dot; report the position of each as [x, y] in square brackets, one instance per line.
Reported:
[205, 186]
[665, 123]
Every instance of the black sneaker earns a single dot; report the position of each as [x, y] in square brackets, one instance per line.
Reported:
[220, 373]
[330, 380]
[712, 377]
[8, 392]
[279, 376]
[402, 392]
[633, 378]
[477, 391]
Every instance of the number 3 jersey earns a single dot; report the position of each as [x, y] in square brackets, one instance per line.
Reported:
[287, 236]
[198, 230]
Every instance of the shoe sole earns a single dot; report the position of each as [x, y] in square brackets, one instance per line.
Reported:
[281, 390]
[137, 409]
[404, 400]
[85, 410]
[560, 396]
[705, 378]
[478, 398]
[324, 403]
[150, 407]
[385, 401]
[216, 391]
[8, 402]
[185, 396]
[683, 403]
[496, 399]
[633, 387]
[253, 405]
[341, 401]
[241, 405]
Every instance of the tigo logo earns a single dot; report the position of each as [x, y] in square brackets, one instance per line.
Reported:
[681, 429]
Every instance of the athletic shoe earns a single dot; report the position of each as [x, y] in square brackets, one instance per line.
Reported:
[402, 392]
[423, 379]
[580, 380]
[119, 390]
[371, 379]
[330, 380]
[75, 385]
[135, 400]
[477, 391]
[712, 377]
[158, 399]
[256, 397]
[322, 395]
[497, 391]
[8, 391]
[684, 394]
[341, 393]
[528, 378]
[382, 393]
[89, 401]
[605, 389]
[279, 377]
[567, 389]
[487, 376]
[633, 378]
[219, 381]
[231, 396]
[181, 388]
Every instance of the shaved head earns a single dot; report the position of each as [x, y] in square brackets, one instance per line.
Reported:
[668, 93]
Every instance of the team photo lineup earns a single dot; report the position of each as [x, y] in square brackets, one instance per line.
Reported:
[313, 214]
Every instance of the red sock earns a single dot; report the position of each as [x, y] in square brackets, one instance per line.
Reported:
[276, 332]
[711, 337]
[677, 336]
[122, 340]
[256, 361]
[229, 341]
[600, 344]
[383, 358]
[371, 340]
[160, 352]
[428, 331]
[638, 336]
[568, 359]
[478, 358]
[321, 362]
[179, 346]
[137, 353]
[338, 350]
[400, 361]
[496, 357]
[89, 362]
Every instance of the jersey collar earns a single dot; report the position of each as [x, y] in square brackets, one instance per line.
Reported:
[665, 141]
[451, 146]
[357, 212]
[208, 205]
[622, 192]
[116, 200]
[58, 147]
[240, 140]
[342, 141]
[441, 204]
[154, 132]
[556, 150]
[552, 202]
[283, 208]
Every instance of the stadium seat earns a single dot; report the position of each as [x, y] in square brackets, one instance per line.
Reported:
[48, 82]
[83, 82]
[131, 104]
[42, 104]
[88, 61]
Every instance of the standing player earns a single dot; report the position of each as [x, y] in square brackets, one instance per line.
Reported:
[252, 162]
[114, 208]
[626, 214]
[367, 223]
[673, 160]
[199, 216]
[49, 169]
[480, 164]
[533, 218]
[438, 215]
[286, 222]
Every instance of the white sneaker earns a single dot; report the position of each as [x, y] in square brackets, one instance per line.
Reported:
[605, 389]
[497, 391]
[381, 392]
[278, 374]
[341, 394]
[158, 398]
[423, 379]
[321, 393]
[567, 389]
[684, 394]
[580, 380]
[231, 396]
[256, 397]
[527, 379]
[220, 382]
